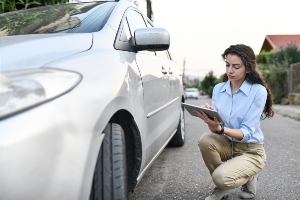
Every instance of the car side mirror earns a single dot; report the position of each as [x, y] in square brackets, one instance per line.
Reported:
[151, 39]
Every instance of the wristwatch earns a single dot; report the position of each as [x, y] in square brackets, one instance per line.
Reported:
[221, 131]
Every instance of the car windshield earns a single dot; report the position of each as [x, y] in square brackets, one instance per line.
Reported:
[191, 90]
[63, 18]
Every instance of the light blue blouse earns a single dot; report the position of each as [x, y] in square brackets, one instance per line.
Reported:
[243, 110]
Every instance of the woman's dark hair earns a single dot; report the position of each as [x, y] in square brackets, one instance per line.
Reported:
[253, 76]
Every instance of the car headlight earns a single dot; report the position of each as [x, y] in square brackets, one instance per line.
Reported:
[20, 90]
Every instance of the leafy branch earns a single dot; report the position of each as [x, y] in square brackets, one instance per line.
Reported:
[27, 3]
[12, 5]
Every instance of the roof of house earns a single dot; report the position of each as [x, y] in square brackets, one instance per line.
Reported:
[278, 41]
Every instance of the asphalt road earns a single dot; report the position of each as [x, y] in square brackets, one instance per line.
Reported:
[180, 173]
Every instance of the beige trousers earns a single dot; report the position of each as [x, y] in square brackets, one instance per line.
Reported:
[231, 163]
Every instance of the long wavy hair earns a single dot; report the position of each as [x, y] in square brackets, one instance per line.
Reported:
[253, 76]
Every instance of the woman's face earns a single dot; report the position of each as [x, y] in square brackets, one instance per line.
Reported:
[235, 68]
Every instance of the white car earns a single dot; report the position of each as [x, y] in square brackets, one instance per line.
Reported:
[191, 93]
[90, 96]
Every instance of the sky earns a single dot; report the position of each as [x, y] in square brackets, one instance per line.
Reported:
[200, 30]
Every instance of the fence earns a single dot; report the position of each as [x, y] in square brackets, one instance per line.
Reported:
[294, 84]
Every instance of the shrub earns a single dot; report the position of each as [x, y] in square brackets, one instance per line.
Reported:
[274, 66]
[208, 83]
[12, 5]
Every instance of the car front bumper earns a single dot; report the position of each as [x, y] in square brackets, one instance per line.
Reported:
[45, 156]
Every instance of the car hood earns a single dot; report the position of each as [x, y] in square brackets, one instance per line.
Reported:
[33, 51]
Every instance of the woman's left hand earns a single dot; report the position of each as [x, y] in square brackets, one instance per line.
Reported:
[213, 125]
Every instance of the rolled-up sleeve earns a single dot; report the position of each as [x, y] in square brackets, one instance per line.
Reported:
[214, 99]
[252, 119]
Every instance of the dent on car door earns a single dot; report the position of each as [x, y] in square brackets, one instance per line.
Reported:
[156, 88]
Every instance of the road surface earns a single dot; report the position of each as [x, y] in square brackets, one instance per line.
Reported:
[180, 173]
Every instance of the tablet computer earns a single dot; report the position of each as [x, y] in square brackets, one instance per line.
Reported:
[210, 113]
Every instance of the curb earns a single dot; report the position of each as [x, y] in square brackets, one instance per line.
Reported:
[291, 111]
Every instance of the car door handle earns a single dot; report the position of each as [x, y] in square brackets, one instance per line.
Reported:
[170, 71]
[163, 70]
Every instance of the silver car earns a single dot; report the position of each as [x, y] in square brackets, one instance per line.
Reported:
[90, 96]
[191, 93]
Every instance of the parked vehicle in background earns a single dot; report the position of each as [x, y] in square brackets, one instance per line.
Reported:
[90, 96]
[192, 93]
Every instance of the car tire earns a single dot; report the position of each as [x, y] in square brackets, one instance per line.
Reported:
[179, 137]
[110, 176]
[196, 98]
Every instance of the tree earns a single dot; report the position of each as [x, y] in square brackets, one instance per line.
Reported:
[208, 83]
[289, 54]
[13, 5]
[274, 66]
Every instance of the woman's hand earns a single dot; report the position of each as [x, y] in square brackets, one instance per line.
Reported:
[206, 105]
[213, 125]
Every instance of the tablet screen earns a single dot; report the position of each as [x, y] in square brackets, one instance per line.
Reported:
[210, 113]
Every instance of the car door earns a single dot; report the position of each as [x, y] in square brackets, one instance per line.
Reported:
[174, 84]
[156, 87]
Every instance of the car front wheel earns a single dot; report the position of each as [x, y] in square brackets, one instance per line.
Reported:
[110, 176]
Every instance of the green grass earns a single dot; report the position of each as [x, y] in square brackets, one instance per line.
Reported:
[295, 118]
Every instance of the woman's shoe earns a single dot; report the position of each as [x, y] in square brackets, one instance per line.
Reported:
[249, 189]
[218, 194]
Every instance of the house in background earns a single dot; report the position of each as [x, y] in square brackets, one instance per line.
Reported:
[278, 41]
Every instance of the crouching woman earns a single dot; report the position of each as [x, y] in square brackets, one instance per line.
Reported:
[234, 151]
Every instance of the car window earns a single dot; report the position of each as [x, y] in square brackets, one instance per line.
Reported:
[162, 54]
[135, 21]
[169, 54]
[191, 90]
[149, 24]
[63, 18]
[125, 32]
